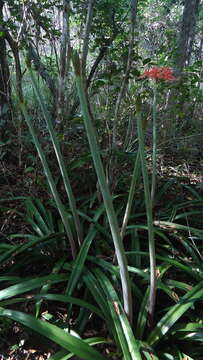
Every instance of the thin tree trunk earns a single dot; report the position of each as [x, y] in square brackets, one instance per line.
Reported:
[64, 63]
[87, 36]
[199, 93]
[14, 48]
[193, 31]
[176, 110]
[101, 55]
[127, 71]
[187, 33]
[32, 51]
[41, 69]
[5, 91]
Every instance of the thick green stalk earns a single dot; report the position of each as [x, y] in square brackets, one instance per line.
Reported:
[50, 179]
[135, 175]
[119, 249]
[148, 204]
[154, 152]
[59, 157]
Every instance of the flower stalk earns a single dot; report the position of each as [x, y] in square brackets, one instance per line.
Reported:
[148, 205]
[154, 149]
[155, 74]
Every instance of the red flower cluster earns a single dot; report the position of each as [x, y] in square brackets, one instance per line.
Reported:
[158, 73]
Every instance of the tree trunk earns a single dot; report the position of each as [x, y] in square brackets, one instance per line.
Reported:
[187, 34]
[87, 36]
[127, 70]
[62, 105]
[19, 92]
[176, 110]
[5, 92]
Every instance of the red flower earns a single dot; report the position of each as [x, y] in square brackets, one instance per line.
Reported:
[158, 73]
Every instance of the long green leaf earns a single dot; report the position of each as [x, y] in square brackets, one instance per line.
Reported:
[81, 258]
[98, 295]
[191, 271]
[135, 177]
[64, 355]
[174, 226]
[175, 313]
[50, 179]
[18, 249]
[119, 331]
[59, 157]
[45, 288]
[113, 221]
[69, 299]
[30, 284]
[142, 316]
[34, 213]
[190, 332]
[54, 333]
[128, 343]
